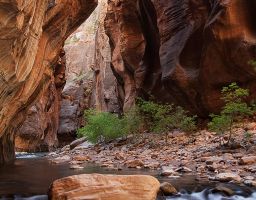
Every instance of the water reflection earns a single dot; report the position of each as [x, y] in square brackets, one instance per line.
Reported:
[31, 176]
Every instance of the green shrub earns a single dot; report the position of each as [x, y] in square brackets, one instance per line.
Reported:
[101, 127]
[132, 121]
[159, 118]
[234, 109]
[164, 118]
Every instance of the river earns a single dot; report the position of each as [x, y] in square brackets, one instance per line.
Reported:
[31, 175]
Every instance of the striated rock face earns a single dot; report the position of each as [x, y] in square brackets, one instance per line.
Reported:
[88, 66]
[105, 95]
[31, 37]
[105, 187]
[39, 131]
[90, 80]
[75, 98]
[182, 51]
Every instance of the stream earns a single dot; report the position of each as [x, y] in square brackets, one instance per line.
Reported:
[31, 175]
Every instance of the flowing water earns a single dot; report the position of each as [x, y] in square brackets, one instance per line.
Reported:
[31, 175]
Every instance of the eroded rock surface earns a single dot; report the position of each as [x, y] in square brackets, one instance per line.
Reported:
[90, 81]
[31, 37]
[105, 187]
[39, 131]
[182, 51]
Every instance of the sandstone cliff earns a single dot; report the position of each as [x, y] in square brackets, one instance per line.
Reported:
[90, 81]
[182, 51]
[39, 130]
[31, 37]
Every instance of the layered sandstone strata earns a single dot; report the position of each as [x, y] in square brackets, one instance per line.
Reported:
[90, 81]
[31, 37]
[182, 51]
[38, 133]
[105, 187]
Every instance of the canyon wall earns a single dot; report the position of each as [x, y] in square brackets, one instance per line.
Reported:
[182, 51]
[32, 34]
[90, 82]
[105, 96]
[39, 130]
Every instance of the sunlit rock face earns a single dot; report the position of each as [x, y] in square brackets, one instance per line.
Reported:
[105, 95]
[39, 131]
[182, 51]
[90, 82]
[31, 37]
[105, 187]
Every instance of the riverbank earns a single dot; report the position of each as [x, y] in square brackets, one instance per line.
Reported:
[33, 176]
[199, 154]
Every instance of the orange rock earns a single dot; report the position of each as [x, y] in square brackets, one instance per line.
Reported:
[32, 36]
[134, 163]
[82, 158]
[105, 187]
[247, 160]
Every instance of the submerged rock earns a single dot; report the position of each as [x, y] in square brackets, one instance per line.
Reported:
[168, 189]
[168, 171]
[134, 163]
[107, 187]
[62, 159]
[76, 167]
[223, 190]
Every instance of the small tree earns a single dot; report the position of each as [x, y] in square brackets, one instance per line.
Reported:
[164, 118]
[132, 121]
[105, 126]
[101, 126]
[235, 109]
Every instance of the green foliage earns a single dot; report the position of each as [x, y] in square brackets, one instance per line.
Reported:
[234, 109]
[253, 64]
[248, 135]
[101, 126]
[132, 121]
[105, 126]
[164, 118]
[219, 123]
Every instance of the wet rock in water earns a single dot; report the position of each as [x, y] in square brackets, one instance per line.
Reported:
[107, 187]
[74, 162]
[168, 171]
[247, 160]
[250, 183]
[77, 142]
[76, 167]
[152, 165]
[168, 189]
[134, 163]
[223, 190]
[226, 177]
[183, 169]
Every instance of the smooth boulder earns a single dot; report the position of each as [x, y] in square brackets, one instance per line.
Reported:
[105, 187]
